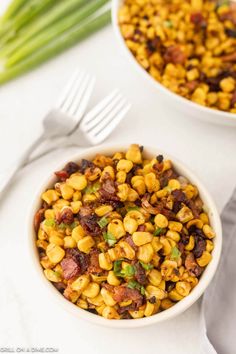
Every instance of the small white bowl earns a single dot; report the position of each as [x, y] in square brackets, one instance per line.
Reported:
[159, 317]
[190, 108]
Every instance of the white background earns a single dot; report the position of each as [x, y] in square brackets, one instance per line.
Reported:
[28, 317]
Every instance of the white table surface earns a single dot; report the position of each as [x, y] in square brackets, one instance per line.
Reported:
[28, 316]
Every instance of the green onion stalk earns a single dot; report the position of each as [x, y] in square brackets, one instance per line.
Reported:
[64, 41]
[12, 10]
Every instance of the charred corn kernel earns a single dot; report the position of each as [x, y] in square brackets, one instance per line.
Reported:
[100, 308]
[184, 215]
[209, 246]
[183, 288]
[49, 214]
[66, 191]
[190, 191]
[192, 74]
[141, 238]
[138, 184]
[174, 184]
[137, 215]
[155, 291]
[60, 204]
[149, 227]
[69, 242]
[97, 300]
[50, 196]
[98, 278]
[156, 244]
[109, 170]
[85, 244]
[46, 263]
[75, 206]
[166, 304]
[167, 268]
[124, 165]
[128, 251]
[204, 259]
[166, 245]
[56, 240]
[175, 226]
[103, 210]
[137, 314]
[92, 290]
[227, 84]
[77, 196]
[132, 195]
[123, 191]
[173, 235]
[130, 225]
[208, 231]
[145, 253]
[166, 165]
[80, 283]
[134, 154]
[112, 279]
[42, 235]
[107, 297]
[88, 198]
[110, 313]
[121, 177]
[175, 296]
[77, 182]
[161, 221]
[118, 156]
[55, 253]
[195, 222]
[204, 218]
[191, 244]
[52, 276]
[82, 304]
[149, 309]
[155, 277]
[105, 261]
[125, 303]
[151, 182]
[115, 253]
[161, 193]
[78, 233]
[116, 228]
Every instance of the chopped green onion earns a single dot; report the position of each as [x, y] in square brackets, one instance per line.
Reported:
[133, 284]
[117, 267]
[103, 222]
[130, 208]
[158, 231]
[50, 222]
[168, 24]
[109, 238]
[93, 188]
[175, 254]
[146, 266]
[65, 41]
[55, 30]
[64, 226]
[142, 290]
[12, 9]
[128, 271]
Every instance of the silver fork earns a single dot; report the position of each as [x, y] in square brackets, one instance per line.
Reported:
[60, 121]
[96, 125]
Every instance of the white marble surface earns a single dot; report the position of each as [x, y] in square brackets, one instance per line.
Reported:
[28, 317]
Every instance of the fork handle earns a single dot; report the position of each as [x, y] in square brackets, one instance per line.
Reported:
[8, 175]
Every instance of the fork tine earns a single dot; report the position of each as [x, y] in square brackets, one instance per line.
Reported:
[88, 120]
[72, 93]
[75, 76]
[81, 90]
[84, 102]
[102, 134]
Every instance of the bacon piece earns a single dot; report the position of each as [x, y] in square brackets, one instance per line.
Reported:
[191, 265]
[70, 167]
[66, 216]
[90, 224]
[70, 267]
[61, 175]
[148, 207]
[130, 241]
[38, 218]
[174, 54]
[229, 57]
[122, 293]
[140, 274]
[200, 246]
[198, 19]
[94, 266]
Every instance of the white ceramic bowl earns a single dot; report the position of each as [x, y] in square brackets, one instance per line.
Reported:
[176, 101]
[167, 314]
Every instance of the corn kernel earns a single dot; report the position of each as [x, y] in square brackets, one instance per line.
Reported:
[50, 196]
[204, 259]
[92, 290]
[208, 231]
[55, 253]
[124, 165]
[141, 238]
[85, 244]
[105, 261]
[107, 297]
[103, 210]
[155, 277]
[77, 182]
[145, 253]
[161, 221]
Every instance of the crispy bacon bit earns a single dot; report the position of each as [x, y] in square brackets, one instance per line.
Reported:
[94, 266]
[130, 241]
[166, 176]
[62, 175]
[141, 228]
[194, 269]
[70, 167]
[233, 99]
[198, 19]
[140, 274]
[174, 54]
[70, 267]
[148, 207]
[66, 216]
[192, 85]
[108, 193]
[178, 195]
[123, 309]
[90, 224]
[38, 218]
[60, 286]
[229, 57]
[200, 246]
[85, 211]
[122, 293]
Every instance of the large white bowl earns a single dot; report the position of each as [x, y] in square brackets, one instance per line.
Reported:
[172, 99]
[165, 315]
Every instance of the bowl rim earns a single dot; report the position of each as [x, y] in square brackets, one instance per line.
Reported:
[179, 307]
[190, 104]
